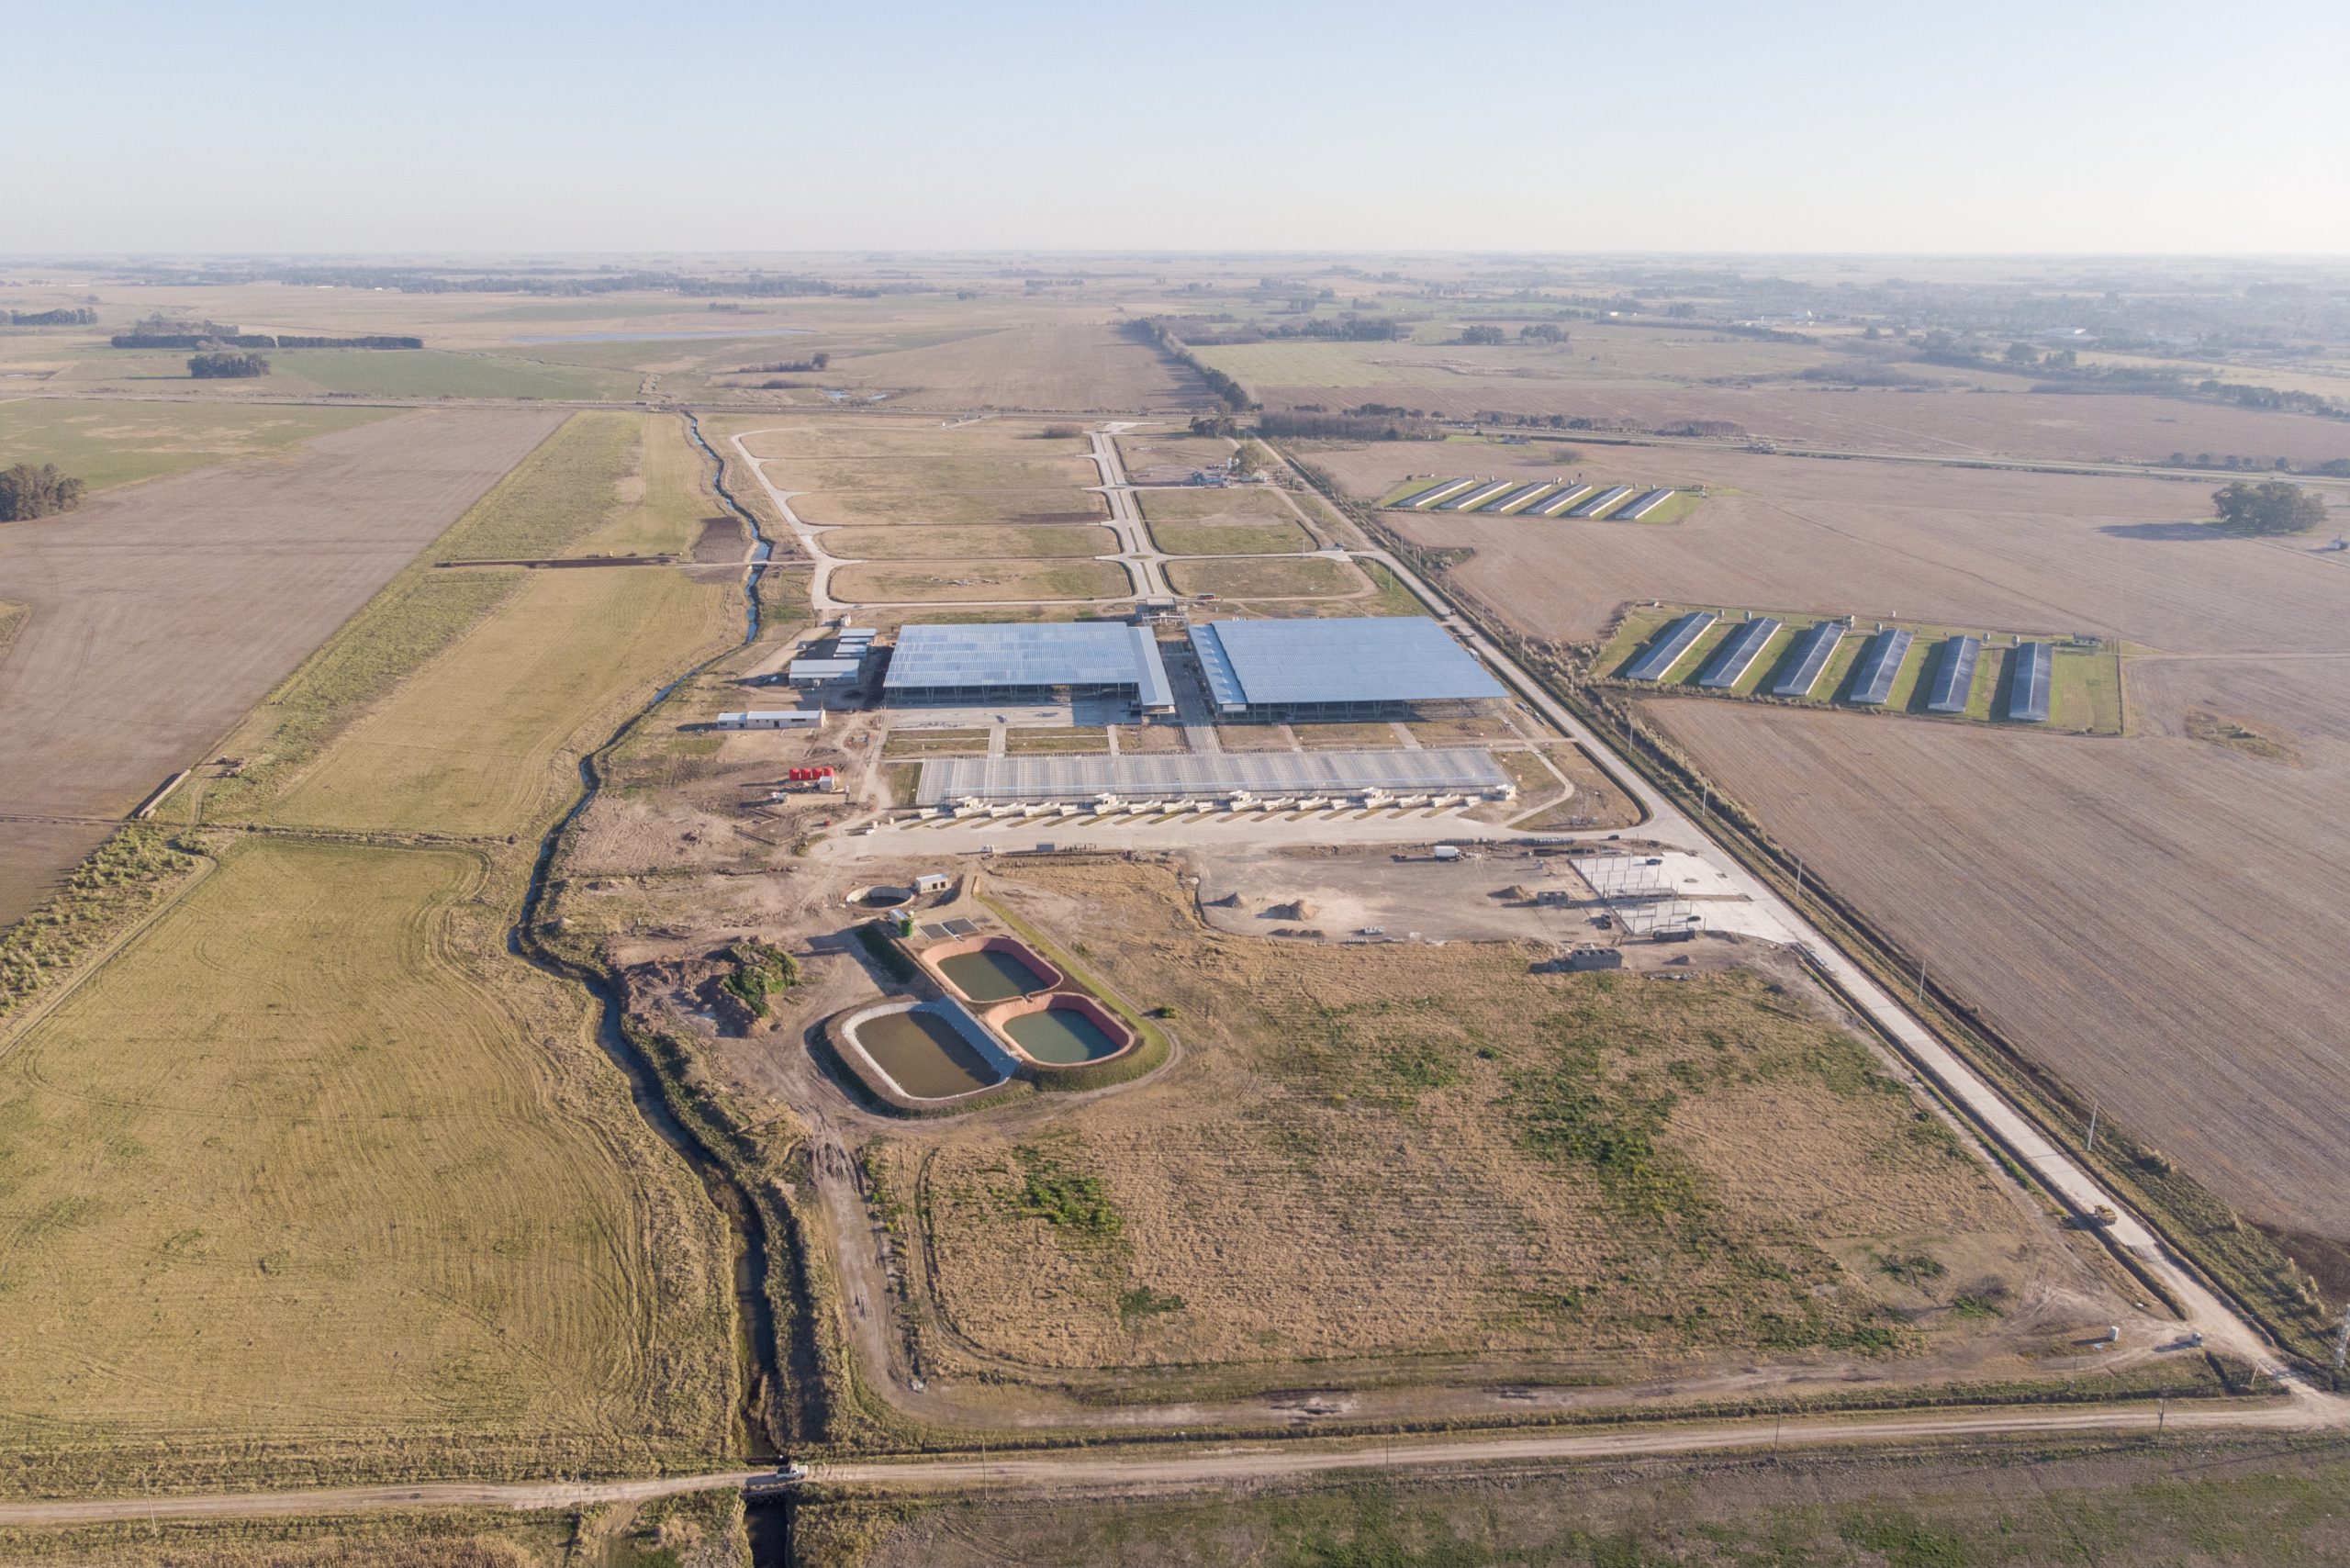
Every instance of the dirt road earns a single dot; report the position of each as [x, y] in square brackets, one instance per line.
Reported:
[1177, 1469]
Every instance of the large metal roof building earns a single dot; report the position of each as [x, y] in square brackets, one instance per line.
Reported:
[984, 662]
[1336, 669]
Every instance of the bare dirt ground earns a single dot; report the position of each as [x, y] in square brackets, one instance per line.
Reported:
[2158, 917]
[2049, 552]
[162, 613]
[2063, 427]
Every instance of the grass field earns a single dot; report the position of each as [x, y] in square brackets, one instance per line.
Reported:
[1272, 577]
[315, 1166]
[238, 580]
[483, 737]
[977, 543]
[1074, 366]
[980, 580]
[1222, 523]
[1170, 459]
[2209, 1504]
[109, 444]
[1408, 1150]
[2085, 686]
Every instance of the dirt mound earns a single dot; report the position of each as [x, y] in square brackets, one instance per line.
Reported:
[1296, 909]
[1229, 900]
[1516, 892]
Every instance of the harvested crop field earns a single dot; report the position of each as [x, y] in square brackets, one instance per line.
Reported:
[1077, 366]
[1223, 522]
[1962, 422]
[105, 443]
[203, 589]
[1408, 1150]
[484, 736]
[314, 1166]
[980, 582]
[2159, 918]
[850, 471]
[979, 542]
[1271, 577]
[1953, 546]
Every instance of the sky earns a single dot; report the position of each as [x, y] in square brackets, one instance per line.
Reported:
[2060, 126]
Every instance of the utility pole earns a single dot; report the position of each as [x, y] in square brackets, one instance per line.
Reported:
[2092, 1143]
[1798, 875]
[2342, 1342]
[1921, 998]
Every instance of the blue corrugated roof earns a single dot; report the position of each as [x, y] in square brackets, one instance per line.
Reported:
[1375, 660]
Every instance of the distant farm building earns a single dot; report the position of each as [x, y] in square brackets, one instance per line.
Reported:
[1284, 670]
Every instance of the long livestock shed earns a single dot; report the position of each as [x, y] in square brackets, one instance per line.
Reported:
[2029, 672]
[1602, 501]
[1551, 506]
[1953, 679]
[1435, 493]
[1474, 498]
[1809, 657]
[1211, 776]
[1666, 651]
[1518, 497]
[1336, 669]
[1737, 655]
[1880, 665]
[1052, 662]
[1645, 505]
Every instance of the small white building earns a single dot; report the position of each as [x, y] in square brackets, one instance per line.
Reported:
[931, 883]
[774, 718]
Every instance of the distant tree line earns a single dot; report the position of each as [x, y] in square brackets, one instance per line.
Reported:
[221, 366]
[27, 492]
[1150, 329]
[255, 341]
[416, 280]
[1347, 427]
[72, 316]
[2268, 508]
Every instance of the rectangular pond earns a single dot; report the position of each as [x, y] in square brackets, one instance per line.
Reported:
[924, 1054]
[989, 975]
[1061, 1036]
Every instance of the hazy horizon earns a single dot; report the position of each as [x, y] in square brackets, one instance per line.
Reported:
[1693, 129]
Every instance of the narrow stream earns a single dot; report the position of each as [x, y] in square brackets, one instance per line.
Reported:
[754, 1318]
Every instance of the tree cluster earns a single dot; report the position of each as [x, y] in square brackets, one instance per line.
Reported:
[1347, 427]
[236, 340]
[27, 492]
[786, 368]
[1542, 333]
[73, 316]
[1481, 337]
[218, 366]
[2270, 507]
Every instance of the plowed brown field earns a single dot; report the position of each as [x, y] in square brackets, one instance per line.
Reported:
[162, 613]
[2159, 918]
[2032, 552]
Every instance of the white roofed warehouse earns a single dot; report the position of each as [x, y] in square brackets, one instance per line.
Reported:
[1370, 667]
[977, 664]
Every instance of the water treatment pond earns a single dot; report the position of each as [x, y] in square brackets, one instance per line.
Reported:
[924, 1054]
[987, 976]
[1060, 1036]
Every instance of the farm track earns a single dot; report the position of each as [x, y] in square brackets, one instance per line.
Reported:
[1177, 1469]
